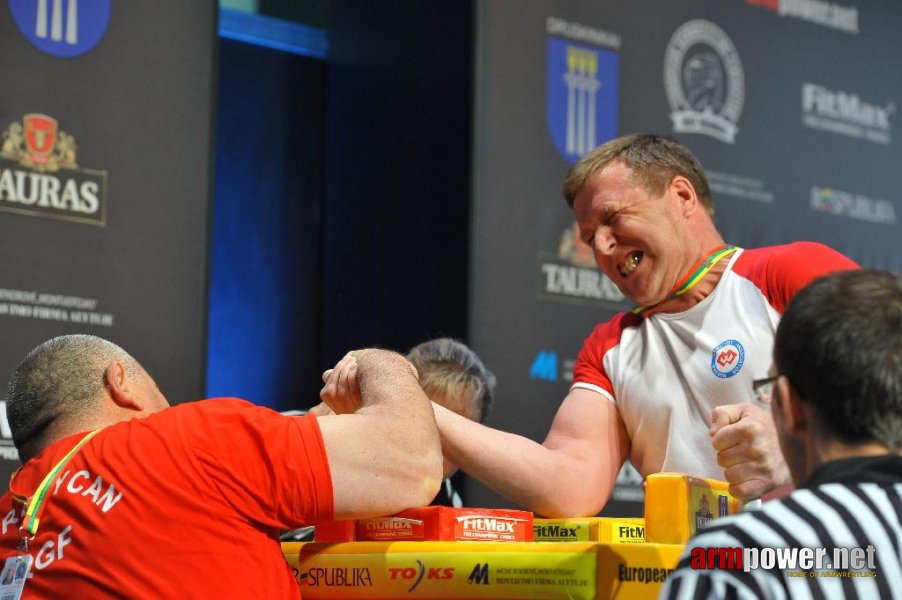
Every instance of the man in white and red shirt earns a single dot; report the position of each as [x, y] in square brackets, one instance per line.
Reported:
[668, 386]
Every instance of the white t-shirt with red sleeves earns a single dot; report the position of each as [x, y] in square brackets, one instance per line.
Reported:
[666, 372]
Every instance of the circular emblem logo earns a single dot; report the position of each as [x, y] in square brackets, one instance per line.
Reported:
[704, 81]
[727, 359]
[64, 28]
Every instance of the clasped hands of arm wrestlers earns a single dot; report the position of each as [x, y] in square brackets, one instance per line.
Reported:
[743, 436]
[341, 389]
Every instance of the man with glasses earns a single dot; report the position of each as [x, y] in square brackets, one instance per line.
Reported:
[649, 384]
[835, 391]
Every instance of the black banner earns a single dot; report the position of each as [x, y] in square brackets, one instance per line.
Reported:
[789, 104]
[105, 145]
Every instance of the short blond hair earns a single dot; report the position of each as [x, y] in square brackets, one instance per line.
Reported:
[452, 375]
[653, 159]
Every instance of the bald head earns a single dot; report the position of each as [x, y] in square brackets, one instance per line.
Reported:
[60, 381]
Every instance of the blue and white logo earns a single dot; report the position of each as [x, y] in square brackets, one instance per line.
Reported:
[581, 97]
[704, 81]
[64, 28]
[544, 366]
[727, 359]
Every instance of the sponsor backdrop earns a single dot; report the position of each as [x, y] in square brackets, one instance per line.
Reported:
[104, 181]
[789, 104]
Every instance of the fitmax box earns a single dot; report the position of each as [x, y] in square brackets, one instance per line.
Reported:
[400, 570]
[610, 530]
[678, 505]
[443, 523]
[434, 523]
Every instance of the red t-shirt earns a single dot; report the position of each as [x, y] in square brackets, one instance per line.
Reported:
[186, 503]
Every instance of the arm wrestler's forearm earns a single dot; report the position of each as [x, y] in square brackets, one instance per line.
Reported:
[552, 482]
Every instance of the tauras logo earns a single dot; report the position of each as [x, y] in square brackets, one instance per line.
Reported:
[845, 113]
[39, 175]
[572, 275]
[578, 282]
[502, 524]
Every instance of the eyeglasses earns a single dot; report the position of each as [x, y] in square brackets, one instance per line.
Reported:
[764, 388]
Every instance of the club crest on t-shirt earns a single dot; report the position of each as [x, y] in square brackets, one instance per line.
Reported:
[727, 359]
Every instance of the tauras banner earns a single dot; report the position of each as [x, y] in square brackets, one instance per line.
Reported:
[105, 134]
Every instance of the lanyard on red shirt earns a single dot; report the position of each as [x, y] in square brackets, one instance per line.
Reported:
[34, 507]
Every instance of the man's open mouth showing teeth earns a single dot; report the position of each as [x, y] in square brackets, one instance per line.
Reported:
[631, 263]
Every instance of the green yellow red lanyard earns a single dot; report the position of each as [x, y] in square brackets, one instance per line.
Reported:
[33, 511]
[696, 274]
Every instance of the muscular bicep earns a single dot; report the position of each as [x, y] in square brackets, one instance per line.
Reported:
[372, 474]
[589, 429]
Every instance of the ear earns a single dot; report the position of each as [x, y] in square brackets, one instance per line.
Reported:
[121, 388]
[792, 407]
[685, 195]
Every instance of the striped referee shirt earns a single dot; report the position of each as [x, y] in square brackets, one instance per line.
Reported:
[846, 504]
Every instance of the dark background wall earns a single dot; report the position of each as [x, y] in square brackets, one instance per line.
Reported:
[395, 220]
[341, 211]
[437, 208]
[265, 252]
[136, 108]
[800, 142]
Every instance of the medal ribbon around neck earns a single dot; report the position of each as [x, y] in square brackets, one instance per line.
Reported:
[32, 513]
[696, 274]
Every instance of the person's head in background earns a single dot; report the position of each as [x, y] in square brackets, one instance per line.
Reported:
[452, 375]
[837, 375]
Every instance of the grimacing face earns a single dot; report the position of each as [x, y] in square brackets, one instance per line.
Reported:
[642, 243]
